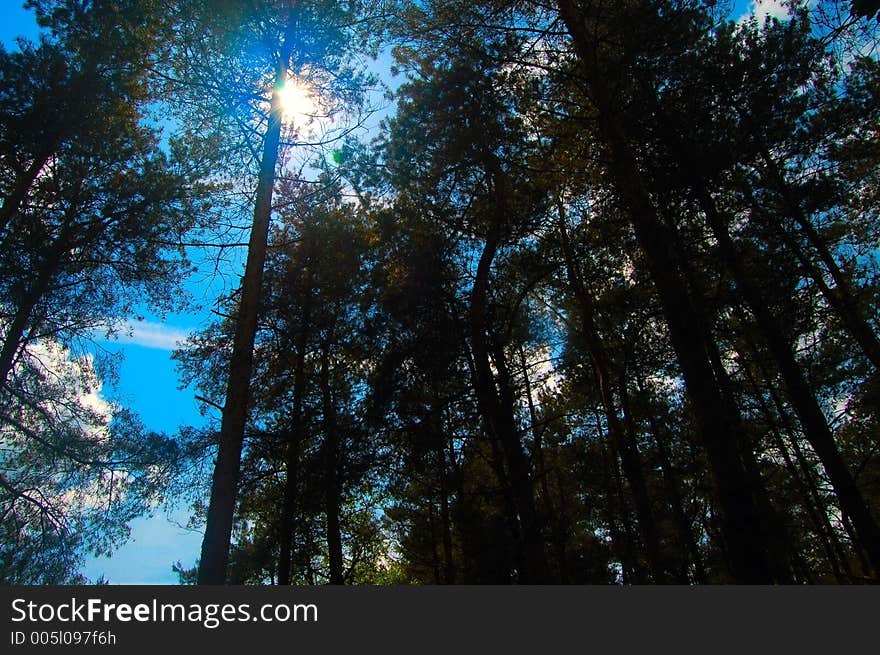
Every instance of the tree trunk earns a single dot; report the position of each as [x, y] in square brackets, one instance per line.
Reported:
[332, 487]
[511, 516]
[621, 533]
[541, 472]
[445, 514]
[517, 463]
[780, 553]
[14, 338]
[816, 507]
[820, 526]
[24, 308]
[295, 438]
[496, 408]
[624, 442]
[640, 487]
[224, 486]
[685, 531]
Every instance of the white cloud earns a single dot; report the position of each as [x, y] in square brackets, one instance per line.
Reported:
[151, 335]
[762, 9]
[66, 393]
[75, 374]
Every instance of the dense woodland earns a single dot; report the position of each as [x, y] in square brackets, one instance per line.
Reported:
[595, 303]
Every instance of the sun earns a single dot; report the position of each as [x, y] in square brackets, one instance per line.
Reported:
[297, 102]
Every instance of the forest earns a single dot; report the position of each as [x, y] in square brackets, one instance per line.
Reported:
[525, 291]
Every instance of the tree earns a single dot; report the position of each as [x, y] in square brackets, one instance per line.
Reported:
[92, 207]
[75, 469]
[473, 176]
[307, 465]
[626, 75]
[92, 210]
[306, 43]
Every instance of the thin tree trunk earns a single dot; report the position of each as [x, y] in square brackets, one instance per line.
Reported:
[540, 465]
[14, 338]
[295, 438]
[807, 470]
[435, 550]
[518, 464]
[624, 442]
[438, 435]
[434, 419]
[24, 307]
[809, 474]
[540, 469]
[859, 551]
[561, 530]
[779, 544]
[288, 510]
[640, 488]
[445, 518]
[685, 531]
[807, 494]
[224, 486]
[332, 490]
[554, 508]
[496, 408]
[511, 516]
[621, 534]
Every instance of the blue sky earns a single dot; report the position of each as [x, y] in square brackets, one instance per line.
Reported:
[148, 384]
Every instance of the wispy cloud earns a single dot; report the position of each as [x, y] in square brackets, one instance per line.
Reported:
[151, 335]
